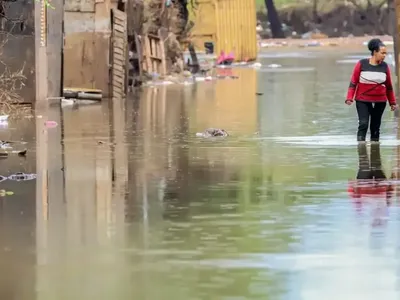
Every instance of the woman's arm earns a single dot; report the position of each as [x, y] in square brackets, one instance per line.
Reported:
[389, 88]
[355, 79]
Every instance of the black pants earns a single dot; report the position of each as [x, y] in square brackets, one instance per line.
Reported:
[370, 168]
[367, 111]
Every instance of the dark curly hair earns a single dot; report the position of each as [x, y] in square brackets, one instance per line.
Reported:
[374, 45]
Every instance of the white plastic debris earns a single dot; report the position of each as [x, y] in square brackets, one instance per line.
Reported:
[274, 66]
[256, 65]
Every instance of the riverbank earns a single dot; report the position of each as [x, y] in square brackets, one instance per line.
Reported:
[352, 44]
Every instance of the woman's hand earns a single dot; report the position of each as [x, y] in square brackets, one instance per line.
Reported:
[348, 102]
[394, 107]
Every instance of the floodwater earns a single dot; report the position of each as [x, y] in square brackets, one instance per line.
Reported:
[129, 204]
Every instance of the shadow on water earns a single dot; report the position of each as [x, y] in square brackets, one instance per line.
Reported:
[130, 203]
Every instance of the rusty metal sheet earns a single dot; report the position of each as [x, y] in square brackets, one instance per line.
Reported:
[230, 24]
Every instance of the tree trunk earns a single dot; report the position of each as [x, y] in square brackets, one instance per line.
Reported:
[273, 18]
[315, 12]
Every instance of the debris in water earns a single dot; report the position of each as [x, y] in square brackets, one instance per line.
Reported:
[19, 176]
[3, 118]
[50, 124]
[311, 44]
[274, 66]
[4, 144]
[259, 94]
[212, 132]
[4, 193]
[22, 153]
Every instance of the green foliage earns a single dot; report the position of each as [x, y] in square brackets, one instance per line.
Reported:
[47, 3]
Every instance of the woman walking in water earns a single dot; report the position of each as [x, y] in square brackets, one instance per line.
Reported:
[371, 87]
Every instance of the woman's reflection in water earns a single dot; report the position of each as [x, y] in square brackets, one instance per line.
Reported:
[371, 187]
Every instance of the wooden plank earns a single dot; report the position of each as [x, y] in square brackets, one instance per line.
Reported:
[119, 68]
[119, 19]
[149, 68]
[118, 35]
[55, 44]
[119, 41]
[119, 44]
[120, 22]
[119, 14]
[118, 85]
[119, 51]
[119, 59]
[119, 79]
[117, 88]
[119, 28]
[119, 72]
[117, 93]
[118, 75]
[153, 36]
[119, 65]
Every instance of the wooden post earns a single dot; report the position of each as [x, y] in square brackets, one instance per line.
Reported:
[40, 51]
[55, 38]
[49, 41]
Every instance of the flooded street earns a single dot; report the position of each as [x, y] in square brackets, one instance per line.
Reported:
[130, 204]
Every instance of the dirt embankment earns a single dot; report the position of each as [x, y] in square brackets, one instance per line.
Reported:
[346, 44]
[341, 21]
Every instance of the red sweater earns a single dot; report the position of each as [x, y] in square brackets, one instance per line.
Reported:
[371, 83]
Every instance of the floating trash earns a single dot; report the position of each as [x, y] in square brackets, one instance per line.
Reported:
[22, 177]
[83, 93]
[274, 66]
[212, 132]
[3, 118]
[4, 193]
[50, 124]
[5, 145]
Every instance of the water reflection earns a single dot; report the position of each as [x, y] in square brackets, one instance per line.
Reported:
[371, 187]
[130, 203]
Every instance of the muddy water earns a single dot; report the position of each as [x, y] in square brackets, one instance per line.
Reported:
[129, 204]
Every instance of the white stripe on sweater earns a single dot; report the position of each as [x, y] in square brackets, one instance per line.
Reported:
[369, 77]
